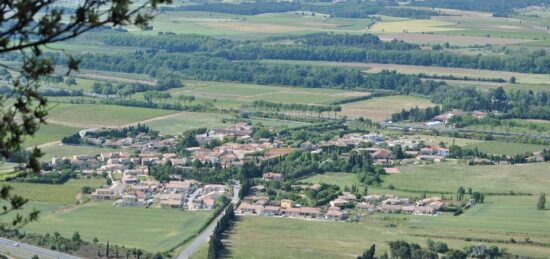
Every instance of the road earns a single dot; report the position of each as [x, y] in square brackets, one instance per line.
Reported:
[204, 236]
[21, 250]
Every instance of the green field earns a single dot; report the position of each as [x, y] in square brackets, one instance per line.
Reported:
[180, 122]
[526, 178]
[505, 148]
[496, 221]
[381, 108]
[252, 26]
[149, 229]
[60, 150]
[49, 133]
[90, 115]
[55, 193]
[233, 95]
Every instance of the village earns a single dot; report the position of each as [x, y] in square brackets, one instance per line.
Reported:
[130, 182]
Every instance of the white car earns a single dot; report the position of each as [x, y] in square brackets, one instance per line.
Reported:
[16, 244]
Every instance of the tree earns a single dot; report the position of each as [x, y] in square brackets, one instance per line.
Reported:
[70, 81]
[27, 27]
[369, 253]
[541, 204]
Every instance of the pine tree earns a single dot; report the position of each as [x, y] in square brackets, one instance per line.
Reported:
[541, 204]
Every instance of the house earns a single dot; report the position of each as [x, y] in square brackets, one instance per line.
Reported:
[335, 213]
[179, 186]
[305, 212]
[366, 207]
[129, 200]
[382, 156]
[286, 204]
[103, 194]
[171, 200]
[271, 211]
[247, 208]
[273, 176]
[214, 188]
[128, 179]
[388, 208]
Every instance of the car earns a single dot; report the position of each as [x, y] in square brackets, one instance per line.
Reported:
[16, 244]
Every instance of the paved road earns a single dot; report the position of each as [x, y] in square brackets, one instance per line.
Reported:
[204, 236]
[21, 250]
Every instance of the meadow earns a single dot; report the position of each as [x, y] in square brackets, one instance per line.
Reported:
[50, 132]
[95, 115]
[60, 150]
[444, 177]
[63, 194]
[148, 229]
[180, 122]
[495, 222]
[381, 108]
[233, 95]
[505, 148]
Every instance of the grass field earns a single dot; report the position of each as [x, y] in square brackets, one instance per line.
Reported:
[180, 122]
[233, 95]
[497, 221]
[149, 229]
[382, 108]
[59, 150]
[252, 26]
[505, 148]
[94, 115]
[55, 193]
[527, 178]
[50, 132]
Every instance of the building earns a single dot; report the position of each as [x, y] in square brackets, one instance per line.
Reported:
[273, 176]
[103, 194]
[335, 213]
[171, 200]
[305, 212]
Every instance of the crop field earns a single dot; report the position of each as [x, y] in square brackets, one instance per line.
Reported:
[506, 148]
[252, 26]
[180, 122]
[526, 178]
[55, 193]
[233, 95]
[50, 132]
[382, 108]
[149, 229]
[90, 115]
[412, 26]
